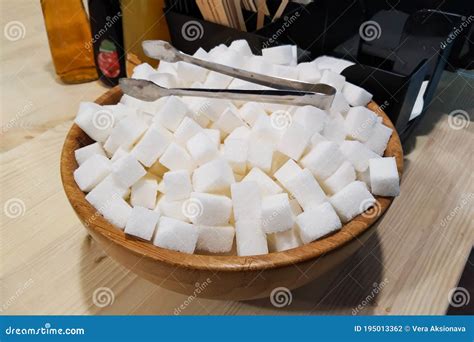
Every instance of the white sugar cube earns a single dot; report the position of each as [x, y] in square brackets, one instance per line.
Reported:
[142, 71]
[384, 180]
[172, 209]
[295, 207]
[216, 51]
[144, 193]
[108, 187]
[311, 118]
[215, 239]
[126, 133]
[131, 102]
[344, 175]
[91, 172]
[289, 170]
[356, 96]
[333, 79]
[271, 107]
[276, 214]
[176, 157]
[235, 151]
[378, 141]
[317, 138]
[120, 111]
[337, 65]
[217, 80]
[128, 170]
[304, 187]
[197, 107]
[358, 154]
[95, 121]
[200, 53]
[241, 84]
[214, 176]
[201, 148]
[364, 177]
[116, 211]
[228, 121]
[142, 223]
[166, 67]
[242, 132]
[107, 199]
[172, 113]
[283, 241]
[153, 107]
[176, 235]
[339, 104]
[279, 159]
[317, 222]
[260, 153]
[326, 62]
[323, 160]
[246, 200]
[119, 153]
[189, 73]
[266, 185]
[152, 145]
[214, 135]
[83, 153]
[294, 140]
[177, 185]
[251, 111]
[230, 58]
[208, 209]
[250, 238]
[285, 71]
[259, 65]
[352, 200]
[241, 46]
[360, 123]
[308, 72]
[271, 127]
[186, 130]
[334, 129]
[282, 54]
[165, 80]
[196, 84]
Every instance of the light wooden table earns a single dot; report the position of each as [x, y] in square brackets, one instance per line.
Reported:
[50, 266]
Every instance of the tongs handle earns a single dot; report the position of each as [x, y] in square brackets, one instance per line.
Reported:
[161, 50]
[149, 91]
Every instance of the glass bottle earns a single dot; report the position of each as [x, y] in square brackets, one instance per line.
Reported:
[69, 37]
[107, 38]
[143, 20]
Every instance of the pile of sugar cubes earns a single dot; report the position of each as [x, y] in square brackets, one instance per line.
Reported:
[194, 174]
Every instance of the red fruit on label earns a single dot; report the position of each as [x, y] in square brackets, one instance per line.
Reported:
[108, 62]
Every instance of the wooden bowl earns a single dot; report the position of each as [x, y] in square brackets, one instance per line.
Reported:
[219, 277]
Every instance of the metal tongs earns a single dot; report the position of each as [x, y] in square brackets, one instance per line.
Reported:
[290, 92]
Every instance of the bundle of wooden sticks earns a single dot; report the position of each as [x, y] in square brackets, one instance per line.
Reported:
[229, 12]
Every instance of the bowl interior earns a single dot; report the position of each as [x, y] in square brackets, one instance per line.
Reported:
[93, 221]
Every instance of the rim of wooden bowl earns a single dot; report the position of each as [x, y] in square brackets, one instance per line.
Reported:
[95, 222]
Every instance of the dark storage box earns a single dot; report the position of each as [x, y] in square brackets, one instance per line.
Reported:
[407, 49]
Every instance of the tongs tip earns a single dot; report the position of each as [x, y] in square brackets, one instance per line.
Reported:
[161, 50]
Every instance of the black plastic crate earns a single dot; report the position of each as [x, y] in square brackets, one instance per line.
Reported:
[410, 49]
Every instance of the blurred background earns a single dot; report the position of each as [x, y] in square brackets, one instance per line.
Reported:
[404, 45]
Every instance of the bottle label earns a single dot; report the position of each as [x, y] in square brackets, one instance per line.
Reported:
[108, 59]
